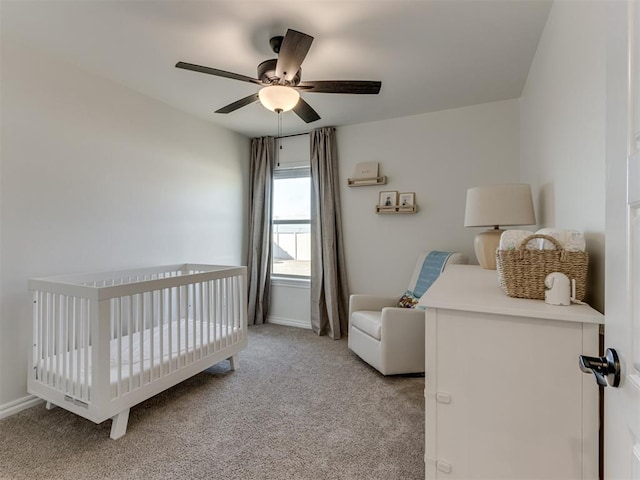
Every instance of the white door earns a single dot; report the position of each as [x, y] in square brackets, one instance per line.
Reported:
[622, 290]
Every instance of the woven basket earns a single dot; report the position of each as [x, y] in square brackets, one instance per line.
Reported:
[522, 271]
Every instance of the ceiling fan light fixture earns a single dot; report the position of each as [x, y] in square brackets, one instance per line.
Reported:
[278, 98]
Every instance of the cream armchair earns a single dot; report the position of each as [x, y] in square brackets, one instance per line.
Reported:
[391, 338]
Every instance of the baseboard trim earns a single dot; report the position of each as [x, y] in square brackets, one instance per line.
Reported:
[289, 322]
[16, 406]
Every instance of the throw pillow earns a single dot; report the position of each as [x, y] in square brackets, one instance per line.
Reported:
[408, 300]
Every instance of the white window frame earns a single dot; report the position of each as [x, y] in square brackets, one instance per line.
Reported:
[282, 279]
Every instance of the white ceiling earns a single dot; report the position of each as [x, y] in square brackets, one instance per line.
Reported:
[430, 55]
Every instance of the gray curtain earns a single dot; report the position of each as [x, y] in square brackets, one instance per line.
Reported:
[329, 289]
[259, 244]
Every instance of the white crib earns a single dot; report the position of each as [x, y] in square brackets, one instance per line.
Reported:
[105, 342]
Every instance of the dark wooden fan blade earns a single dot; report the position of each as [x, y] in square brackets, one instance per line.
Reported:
[341, 86]
[305, 112]
[293, 51]
[217, 73]
[239, 104]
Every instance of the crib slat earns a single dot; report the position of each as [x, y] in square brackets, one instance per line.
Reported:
[232, 308]
[236, 308]
[207, 301]
[229, 311]
[161, 295]
[85, 392]
[79, 346]
[65, 344]
[171, 322]
[244, 314]
[194, 309]
[185, 325]
[77, 325]
[179, 324]
[52, 339]
[45, 337]
[40, 342]
[131, 331]
[56, 342]
[141, 316]
[236, 321]
[224, 319]
[239, 319]
[201, 310]
[219, 313]
[198, 322]
[234, 301]
[152, 333]
[210, 318]
[116, 313]
[214, 308]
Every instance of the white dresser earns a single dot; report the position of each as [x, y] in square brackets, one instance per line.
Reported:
[505, 397]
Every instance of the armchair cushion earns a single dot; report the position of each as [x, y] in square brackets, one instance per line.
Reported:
[367, 322]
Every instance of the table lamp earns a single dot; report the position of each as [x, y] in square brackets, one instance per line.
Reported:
[492, 206]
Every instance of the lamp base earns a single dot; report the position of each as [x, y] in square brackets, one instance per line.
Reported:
[486, 243]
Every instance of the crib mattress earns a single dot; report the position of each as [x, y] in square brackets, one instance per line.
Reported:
[138, 358]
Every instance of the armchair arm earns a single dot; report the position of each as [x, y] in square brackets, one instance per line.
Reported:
[401, 316]
[403, 331]
[370, 302]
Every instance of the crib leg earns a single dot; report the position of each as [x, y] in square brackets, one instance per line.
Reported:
[233, 362]
[119, 424]
[50, 406]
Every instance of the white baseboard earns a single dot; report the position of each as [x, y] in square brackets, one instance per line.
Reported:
[16, 406]
[289, 322]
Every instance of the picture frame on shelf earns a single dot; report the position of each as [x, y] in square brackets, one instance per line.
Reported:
[388, 199]
[407, 200]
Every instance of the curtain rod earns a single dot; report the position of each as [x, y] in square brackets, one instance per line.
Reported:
[298, 134]
[293, 135]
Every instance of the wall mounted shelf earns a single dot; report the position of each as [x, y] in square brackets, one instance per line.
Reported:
[363, 182]
[388, 210]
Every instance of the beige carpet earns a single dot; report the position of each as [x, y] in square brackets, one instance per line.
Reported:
[298, 407]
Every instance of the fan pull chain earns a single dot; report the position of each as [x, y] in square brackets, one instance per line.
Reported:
[279, 112]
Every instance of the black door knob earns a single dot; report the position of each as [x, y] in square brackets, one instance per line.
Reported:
[606, 369]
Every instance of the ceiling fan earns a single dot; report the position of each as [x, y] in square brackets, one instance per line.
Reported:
[280, 79]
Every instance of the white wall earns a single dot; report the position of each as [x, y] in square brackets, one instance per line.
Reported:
[436, 155]
[562, 129]
[290, 303]
[97, 177]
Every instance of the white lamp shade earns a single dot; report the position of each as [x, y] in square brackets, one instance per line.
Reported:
[494, 205]
[278, 98]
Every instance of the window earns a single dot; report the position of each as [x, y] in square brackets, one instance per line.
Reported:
[292, 222]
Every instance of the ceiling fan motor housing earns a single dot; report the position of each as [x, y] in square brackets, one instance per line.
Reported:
[275, 43]
[267, 73]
